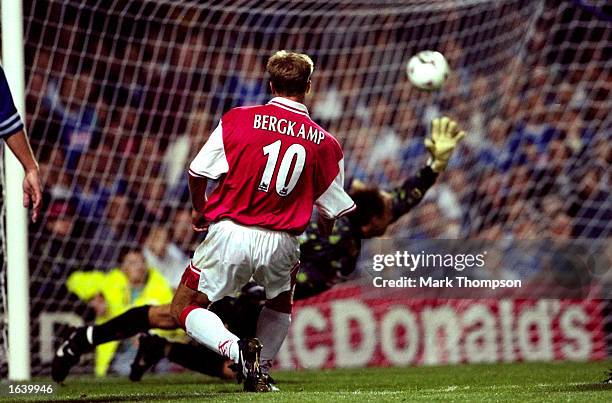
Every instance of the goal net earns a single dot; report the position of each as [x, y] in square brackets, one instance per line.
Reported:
[121, 94]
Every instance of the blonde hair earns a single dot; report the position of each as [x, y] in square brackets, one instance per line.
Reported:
[290, 72]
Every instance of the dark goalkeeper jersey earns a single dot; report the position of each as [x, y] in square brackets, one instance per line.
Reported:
[325, 261]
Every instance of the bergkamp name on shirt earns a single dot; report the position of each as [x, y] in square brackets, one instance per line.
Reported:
[288, 128]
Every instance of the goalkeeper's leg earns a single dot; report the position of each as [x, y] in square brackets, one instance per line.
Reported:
[197, 358]
[128, 324]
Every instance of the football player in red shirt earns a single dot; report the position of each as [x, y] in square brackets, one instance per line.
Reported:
[323, 263]
[273, 164]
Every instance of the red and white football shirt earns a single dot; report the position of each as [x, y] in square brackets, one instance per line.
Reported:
[274, 163]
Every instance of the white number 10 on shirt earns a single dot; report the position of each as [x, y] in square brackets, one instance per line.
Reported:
[283, 188]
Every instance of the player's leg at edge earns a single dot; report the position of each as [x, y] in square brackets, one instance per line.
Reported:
[128, 324]
[207, 329]
[153, 348]
[272, 328]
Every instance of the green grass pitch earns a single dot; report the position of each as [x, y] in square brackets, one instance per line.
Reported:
[536, 382]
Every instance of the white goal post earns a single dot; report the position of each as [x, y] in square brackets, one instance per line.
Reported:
[18, 312]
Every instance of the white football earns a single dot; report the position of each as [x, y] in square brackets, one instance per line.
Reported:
[428, 70]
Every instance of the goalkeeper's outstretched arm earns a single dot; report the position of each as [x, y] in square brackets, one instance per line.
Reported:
[445, 135]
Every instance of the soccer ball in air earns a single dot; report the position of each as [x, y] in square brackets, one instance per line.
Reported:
[427, 70]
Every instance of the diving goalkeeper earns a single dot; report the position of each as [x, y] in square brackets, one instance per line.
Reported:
[325, 261]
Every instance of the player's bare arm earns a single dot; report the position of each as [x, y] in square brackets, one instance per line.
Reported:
[32, 185]
[197, 188]
[13, 132]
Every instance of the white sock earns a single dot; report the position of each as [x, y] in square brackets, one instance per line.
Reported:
[206, 328]
[272, 328]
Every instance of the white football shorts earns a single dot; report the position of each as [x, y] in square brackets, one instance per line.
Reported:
[232, 254]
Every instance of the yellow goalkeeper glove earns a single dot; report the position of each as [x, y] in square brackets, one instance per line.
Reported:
[445, 135]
